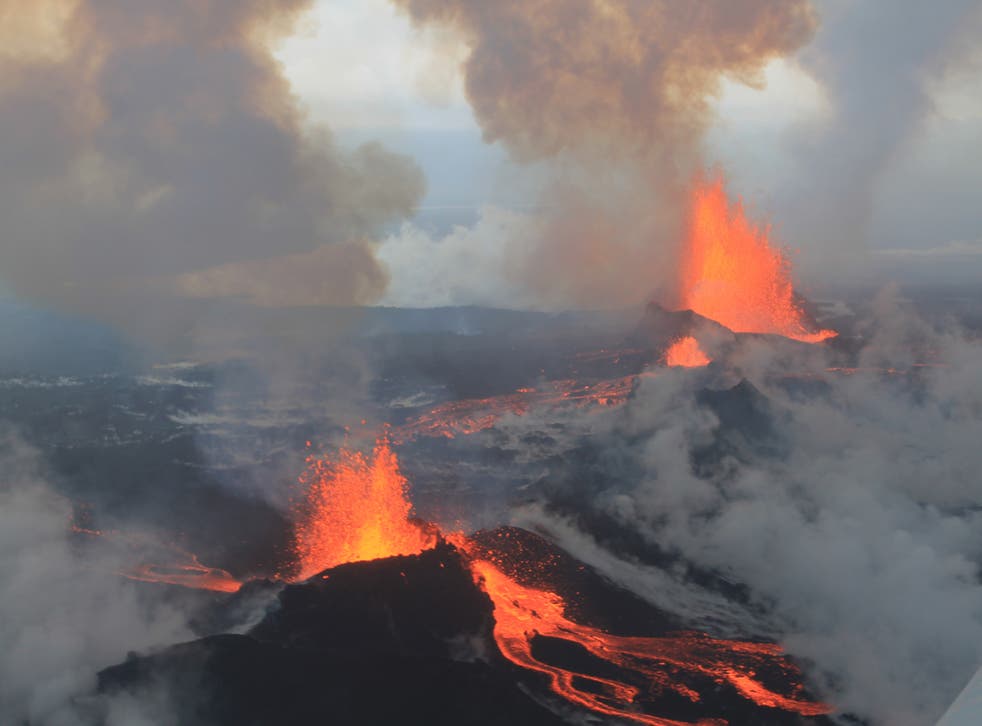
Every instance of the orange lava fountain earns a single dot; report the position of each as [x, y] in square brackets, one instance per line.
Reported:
[356, 509]
[522, 612]
[686, 353]
[730, 273]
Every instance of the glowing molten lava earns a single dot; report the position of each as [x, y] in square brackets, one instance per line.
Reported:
[686, 353]
[184, 569]
[356, 509]
[190, 574]
[731, 274]
[522, 613]
[470, 416]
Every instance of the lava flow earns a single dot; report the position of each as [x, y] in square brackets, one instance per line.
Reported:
[470, 416]
[191, 574]
[686, 353]
[184, 568]
[730, 273]
[522, 613]
[356, 509]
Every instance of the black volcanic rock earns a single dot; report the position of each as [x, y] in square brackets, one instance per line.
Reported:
[404, 605]
[391, 641]
[742, 407]
[659, 328]
[749, 426]
[240, 681]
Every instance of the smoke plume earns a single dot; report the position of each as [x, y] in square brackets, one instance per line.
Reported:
[154, 149]
[876, 61]
[634, 76]
[617, 96]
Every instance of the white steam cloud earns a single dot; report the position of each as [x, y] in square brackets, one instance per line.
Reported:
[860, 535]
[865, 540]
[66, 614]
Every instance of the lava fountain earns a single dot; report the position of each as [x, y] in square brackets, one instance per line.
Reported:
[686, 353]
[730, 273]
[357, 508]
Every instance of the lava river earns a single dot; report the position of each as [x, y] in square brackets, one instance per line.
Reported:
[472, 415]
[524, 613]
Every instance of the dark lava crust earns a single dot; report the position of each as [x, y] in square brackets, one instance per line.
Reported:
[389, 642]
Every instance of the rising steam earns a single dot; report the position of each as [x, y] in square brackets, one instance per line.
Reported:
[617, 95]
[66, 614]
[881, 97]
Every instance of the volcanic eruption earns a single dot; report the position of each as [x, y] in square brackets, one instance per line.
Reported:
[626, 475]
[686, 353]
[356, 509]
[731, 273]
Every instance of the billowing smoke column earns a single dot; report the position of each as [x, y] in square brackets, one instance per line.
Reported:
[153, 150]
[617, 94]
[880, 94]
[851, 512]
[637, 75]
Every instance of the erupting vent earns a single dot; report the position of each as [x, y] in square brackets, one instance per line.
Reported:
[730, 273]
[686, 353]
[356, 509]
